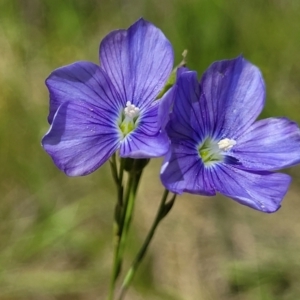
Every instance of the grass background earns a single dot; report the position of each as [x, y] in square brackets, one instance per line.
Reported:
[55, 231]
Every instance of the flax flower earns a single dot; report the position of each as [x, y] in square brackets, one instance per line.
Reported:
[216, 144]
[97, 110]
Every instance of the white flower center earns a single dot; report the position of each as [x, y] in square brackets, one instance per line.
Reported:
[226, 144]
[129, 118]
[131, 111]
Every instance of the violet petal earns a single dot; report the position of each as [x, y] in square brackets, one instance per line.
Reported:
[82, 81]
[183, 170]
[234, 95]
[81, 138]
[140, 145]
[138, 61]
[262, 191]
[269, 144]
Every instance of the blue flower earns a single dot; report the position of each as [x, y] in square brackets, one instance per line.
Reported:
[97, 110]
[216, 144]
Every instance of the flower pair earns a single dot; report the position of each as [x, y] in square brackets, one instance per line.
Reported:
[211, 142]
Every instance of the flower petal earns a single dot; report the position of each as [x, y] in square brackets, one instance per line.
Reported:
[138, 61]
[167, 100]
[187, 120]
[81, 138]
[262, 191]
[149, 122]
[165, 105]
[269, 144]
[234, 93]
[83, 81]
[140, 145]
[183, 170]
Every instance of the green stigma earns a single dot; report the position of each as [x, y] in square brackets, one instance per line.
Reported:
[209, 152]
[127, 126]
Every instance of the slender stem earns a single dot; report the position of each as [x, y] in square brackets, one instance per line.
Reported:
[130, 197]
[124, 212]
[114, 169]
[115, 268]
[118, 178]
[161, 213]
[120, 190]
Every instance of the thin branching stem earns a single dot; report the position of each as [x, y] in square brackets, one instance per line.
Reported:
[123, 215]
[163, 210]
[117, 227]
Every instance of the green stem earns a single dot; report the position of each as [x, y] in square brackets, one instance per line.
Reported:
[124, 212]
[115, 268]
[163, 210]
[114, 169]
[120, 190]
[133, 181]
[118, 178]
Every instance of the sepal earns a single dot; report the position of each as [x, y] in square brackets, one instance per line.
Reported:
[167, 207]
[135, 165]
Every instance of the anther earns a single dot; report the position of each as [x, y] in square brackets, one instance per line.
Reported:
[226, 144]
[131, 111]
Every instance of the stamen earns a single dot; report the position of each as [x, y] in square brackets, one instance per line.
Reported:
[129, 118]
[131, 111]
[226, 144]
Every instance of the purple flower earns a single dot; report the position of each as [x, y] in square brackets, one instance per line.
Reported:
[216, 145]
[97, 110]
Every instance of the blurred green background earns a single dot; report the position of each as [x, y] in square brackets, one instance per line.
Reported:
[55, 231]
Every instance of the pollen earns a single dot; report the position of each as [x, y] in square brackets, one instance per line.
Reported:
[226, 144]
